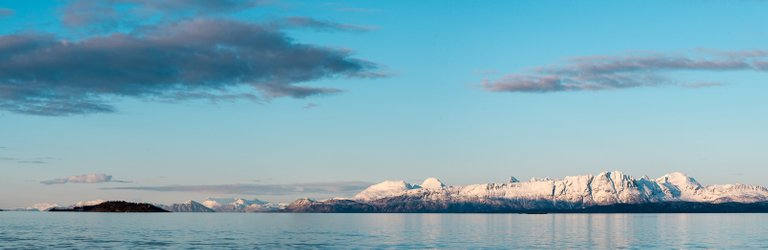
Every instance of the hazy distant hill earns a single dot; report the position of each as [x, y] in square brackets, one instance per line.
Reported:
[240, 205]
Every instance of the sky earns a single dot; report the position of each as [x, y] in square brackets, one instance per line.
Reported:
[279, 99]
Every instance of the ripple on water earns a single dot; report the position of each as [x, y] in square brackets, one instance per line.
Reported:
[29, 230]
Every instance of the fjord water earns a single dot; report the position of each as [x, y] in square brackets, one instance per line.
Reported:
[36, 230]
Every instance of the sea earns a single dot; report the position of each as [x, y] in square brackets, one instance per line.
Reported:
[49, 230]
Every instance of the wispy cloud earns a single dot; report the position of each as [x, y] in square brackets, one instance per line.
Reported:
[311, 105]
[5, 12]
[32, 162]
[86, 178]
[36, 160]
[311, 23]
[703, 85]
[619, 72]
[110, 14]
[358, 10]
[344, 7]
[337, 188]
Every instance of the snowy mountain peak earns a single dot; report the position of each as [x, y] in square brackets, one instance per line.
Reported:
[536, 179]
[384, 189]
[188, 206]
[605, 188]
[680, 180]
[240, 202]
[432, 183]
[612, 174]
[88, 203]
[210, 203]
[512, 179]
[42, 206]
[239, 205]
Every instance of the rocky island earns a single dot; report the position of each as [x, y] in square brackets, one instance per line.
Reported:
[113, 206]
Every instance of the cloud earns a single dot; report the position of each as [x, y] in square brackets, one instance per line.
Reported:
[311, 23]
[32, 162]
[343, 7]
[620, 72]
[259, 189]
[213, 59]
[311, 105]
[36, 160]
[358, 10]
[699, 85]
[109, 14]
[5, 12]
[86, 178]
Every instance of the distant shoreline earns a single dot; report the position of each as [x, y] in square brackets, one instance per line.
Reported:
[453, 208]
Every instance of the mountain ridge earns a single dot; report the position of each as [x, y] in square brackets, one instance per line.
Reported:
[605, 191]
[189, 206]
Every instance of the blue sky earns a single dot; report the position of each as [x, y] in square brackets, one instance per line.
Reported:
[456, 90]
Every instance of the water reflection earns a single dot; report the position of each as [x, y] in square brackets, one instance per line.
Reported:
[204, 231]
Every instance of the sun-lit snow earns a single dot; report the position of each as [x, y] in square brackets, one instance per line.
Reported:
[432, 183]
[187, 206]
[384, 189]
[239, 205]
[42, 206]
[88, 203]
[602, 189]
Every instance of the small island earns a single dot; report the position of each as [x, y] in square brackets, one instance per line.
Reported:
[114, 207]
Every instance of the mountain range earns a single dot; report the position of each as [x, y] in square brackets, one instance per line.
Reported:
[189, 206]
[604, 192]
[240, 205]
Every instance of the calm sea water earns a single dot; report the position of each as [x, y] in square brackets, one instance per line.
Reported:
[35, 230]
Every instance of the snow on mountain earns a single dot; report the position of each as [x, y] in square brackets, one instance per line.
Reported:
[432, 183]
[45, 206]
[239, 205]
[88, 203]
[40, 207]
[188, 206]
[385, 189]
[213, 203]
[734, 193]
[605, 188]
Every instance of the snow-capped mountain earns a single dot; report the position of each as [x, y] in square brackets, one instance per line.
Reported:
[87, 203]
[44, 206]
[240, 205]
[48, 206]
[602, 189]
[37, 207]
[572, 192]
[188, 206]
